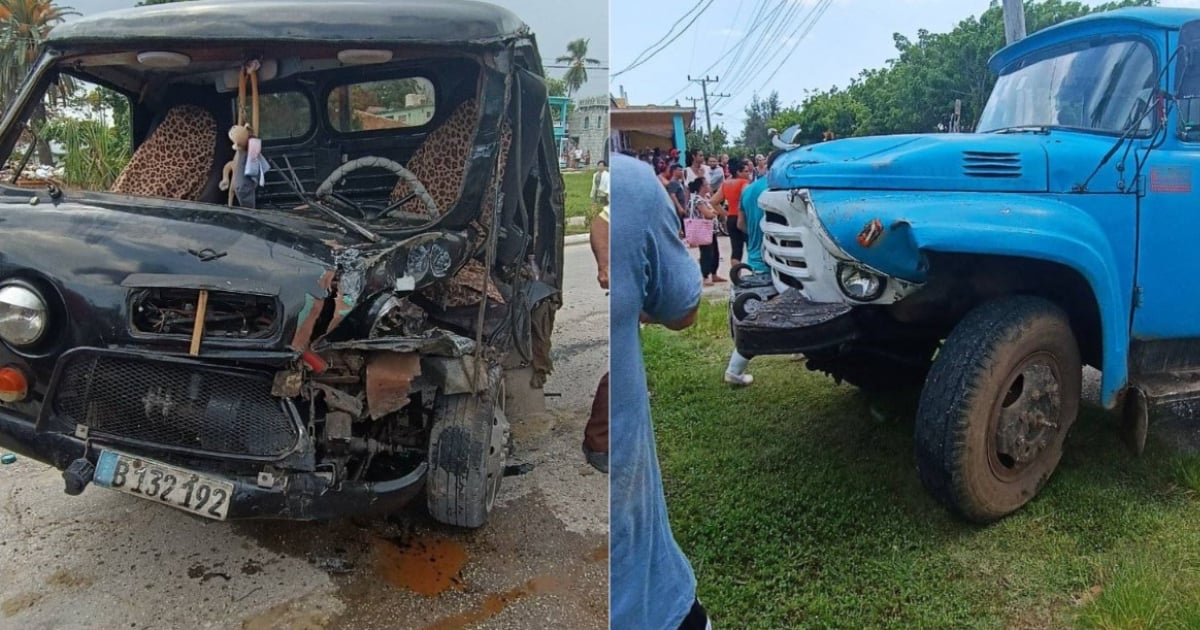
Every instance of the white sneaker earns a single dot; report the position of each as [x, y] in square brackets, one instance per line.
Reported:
[741, 380]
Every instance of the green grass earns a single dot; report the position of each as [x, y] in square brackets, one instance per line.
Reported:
[579, 204]
[798, 503]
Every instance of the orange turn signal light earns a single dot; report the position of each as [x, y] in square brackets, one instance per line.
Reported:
[13, 386]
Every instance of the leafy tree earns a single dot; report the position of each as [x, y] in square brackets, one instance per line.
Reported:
[759, 114]
[915, 91]
[556, 87]
[717, 143]
[24, 27]
[578, 61]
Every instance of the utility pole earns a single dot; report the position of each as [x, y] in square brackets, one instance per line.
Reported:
[704, 89]
[1014, 21]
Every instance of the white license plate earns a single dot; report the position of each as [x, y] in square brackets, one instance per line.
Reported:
[191, 492]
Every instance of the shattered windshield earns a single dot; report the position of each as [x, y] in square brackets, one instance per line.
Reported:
[1105, 87]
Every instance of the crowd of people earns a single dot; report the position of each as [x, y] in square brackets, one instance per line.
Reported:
[721, 189]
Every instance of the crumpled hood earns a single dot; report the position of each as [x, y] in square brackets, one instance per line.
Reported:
[947, 162]
[88, 250]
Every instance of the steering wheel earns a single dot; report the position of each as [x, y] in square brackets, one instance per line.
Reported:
[325, 190]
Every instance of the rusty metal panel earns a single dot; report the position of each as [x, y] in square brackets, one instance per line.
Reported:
[389, 375]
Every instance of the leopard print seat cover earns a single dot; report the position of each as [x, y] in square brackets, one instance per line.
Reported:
[176, 160]
[441, 161]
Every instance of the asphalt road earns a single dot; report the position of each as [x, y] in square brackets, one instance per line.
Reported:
[109, 560]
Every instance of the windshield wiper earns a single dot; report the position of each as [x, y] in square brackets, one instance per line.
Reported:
[1043, 129]
[1134, 126]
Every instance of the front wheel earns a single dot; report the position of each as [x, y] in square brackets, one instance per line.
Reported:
[997, 406]
[468, 447]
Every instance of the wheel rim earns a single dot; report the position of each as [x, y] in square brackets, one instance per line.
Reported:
[1026, 418]
[496, 456]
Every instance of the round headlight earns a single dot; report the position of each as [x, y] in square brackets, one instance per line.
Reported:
[418, 260]
[439, 260]
[859, 285]
[23, 315]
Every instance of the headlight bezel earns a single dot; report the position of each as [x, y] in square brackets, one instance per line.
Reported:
[843, 268]
[28, 290]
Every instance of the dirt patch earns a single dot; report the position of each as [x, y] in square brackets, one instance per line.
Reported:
[293, 615]
[65, 579]
[496, 603]
[17, 603]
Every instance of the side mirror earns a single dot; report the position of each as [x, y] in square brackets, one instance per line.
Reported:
[1187, 70]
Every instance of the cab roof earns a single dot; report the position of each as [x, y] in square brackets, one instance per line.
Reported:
[1099, 23]
[419, 22]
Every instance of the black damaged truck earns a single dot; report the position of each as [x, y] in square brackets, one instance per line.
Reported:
[333, 256]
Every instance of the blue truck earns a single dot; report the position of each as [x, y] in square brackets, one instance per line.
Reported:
[987, 268]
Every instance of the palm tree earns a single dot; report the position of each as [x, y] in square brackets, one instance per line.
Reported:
[24, 27]
[578, 61]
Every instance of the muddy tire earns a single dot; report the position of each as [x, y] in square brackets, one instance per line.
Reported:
[997, 406]
[876, 373]
[468, 447]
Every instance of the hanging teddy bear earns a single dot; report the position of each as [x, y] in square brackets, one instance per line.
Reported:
[247, 157]
[240, 136]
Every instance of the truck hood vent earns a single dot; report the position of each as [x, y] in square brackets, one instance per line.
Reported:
[991, 164]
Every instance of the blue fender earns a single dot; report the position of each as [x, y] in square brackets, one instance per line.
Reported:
[1039, 227]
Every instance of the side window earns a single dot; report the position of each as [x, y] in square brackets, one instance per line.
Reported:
[81, 137]
[284, 116]
[387, 104]
[1189, 119]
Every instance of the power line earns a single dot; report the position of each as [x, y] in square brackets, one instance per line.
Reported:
[724, 52]
[660, 48]
[813, 23]
[804, 27]
[754, 22]
[767, 42]
[667, 34]
[740, 57]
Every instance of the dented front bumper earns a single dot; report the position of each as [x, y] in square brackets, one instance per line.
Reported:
[764, 322]
[292, 495]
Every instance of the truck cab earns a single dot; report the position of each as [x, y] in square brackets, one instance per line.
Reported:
[987, 268]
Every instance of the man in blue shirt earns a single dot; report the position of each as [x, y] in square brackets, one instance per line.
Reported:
[750, 222]
[653, 279]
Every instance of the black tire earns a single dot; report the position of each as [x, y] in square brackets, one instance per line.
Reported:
[997, 407]
[746, 303]
[736, 271]
[877, 372]
[468, 447]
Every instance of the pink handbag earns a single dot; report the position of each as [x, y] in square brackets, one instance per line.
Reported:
[698, 231]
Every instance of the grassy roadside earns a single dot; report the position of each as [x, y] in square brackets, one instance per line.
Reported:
[578, 187]
[798, 502]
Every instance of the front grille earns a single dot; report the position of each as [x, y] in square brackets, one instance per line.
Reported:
[174, 404]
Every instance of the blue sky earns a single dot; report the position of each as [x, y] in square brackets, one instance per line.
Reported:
[850, 35]
[554, 23]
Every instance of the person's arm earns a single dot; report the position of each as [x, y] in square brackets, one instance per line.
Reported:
[679, 209]
[592, 195]
[599, 242]
[673, 285]
[707, 211]
[719, 197]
